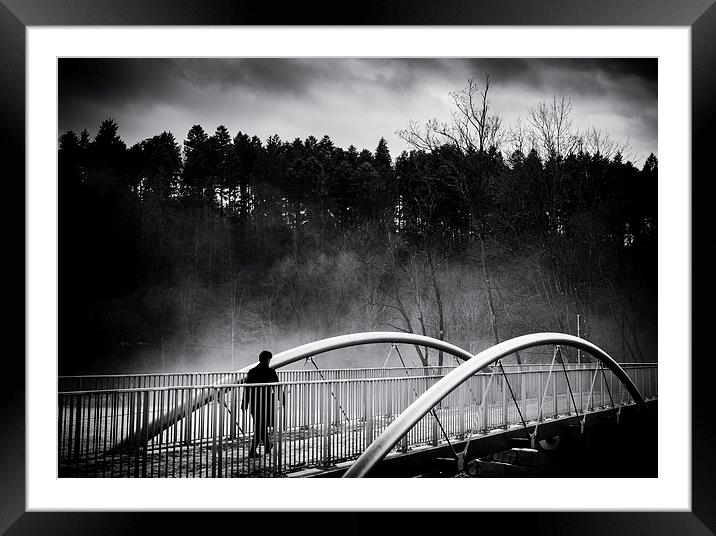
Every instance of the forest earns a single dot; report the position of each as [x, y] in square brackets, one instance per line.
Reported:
[195, 254]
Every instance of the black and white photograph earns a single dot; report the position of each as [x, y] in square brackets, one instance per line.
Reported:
[347, 267]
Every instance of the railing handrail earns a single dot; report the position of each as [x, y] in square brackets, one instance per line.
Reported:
[247, 385]
[301, 382]
[309, 371]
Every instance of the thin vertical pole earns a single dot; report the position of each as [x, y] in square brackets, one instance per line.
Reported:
[369, 412]
[579, 367]
[554, 394]
[405, 404]
[485, 388]
[278, 398]
[327, 424]
[461, 408]
[579, 352]
[78, 431]
[220, 409]
[505, 417]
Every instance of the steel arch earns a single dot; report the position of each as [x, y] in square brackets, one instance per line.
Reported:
[358, 339]
[177, 413]
[380, 447]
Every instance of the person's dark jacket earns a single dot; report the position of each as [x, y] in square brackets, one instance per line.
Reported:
[260, 398]
[262, 374]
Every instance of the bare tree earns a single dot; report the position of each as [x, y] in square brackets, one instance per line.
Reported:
[397, 281]
[473, 125]
[518, 136]
[600, 143]
[551, 128]
[474, 128]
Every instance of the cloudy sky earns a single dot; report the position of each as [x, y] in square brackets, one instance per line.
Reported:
[353, 100]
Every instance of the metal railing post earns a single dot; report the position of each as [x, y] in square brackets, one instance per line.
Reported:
[485, 388]
[461, 409]
[145, 420]
[579, 386]
[327, 423]
[78, 431]
[220, 432]
[434, 431]
[368, 411]
[540, 415]
[505, 418]
[234, 414]
[278, 424]
[523, 380]
[554, 396]
[188, 421]
[405, 402]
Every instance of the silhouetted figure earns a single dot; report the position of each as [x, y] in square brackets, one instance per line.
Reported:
[260, 401]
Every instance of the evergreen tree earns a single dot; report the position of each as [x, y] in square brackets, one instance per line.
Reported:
[196, 162]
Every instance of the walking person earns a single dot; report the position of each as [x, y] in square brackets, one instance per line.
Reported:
[260, 402]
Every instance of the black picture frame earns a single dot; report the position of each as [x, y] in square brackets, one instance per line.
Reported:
[17, 15]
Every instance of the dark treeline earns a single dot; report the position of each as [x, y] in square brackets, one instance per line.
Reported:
[196, 255]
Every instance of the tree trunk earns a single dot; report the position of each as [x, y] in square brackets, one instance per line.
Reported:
[233, 320]
[488, 289]
[439, 302]
[295, 235]
[196, 241]
[161, 334]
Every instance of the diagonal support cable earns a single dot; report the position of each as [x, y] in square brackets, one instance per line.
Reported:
[463, 453]
[228, 410]
[472, 395]
[392, 346]
[479, 411]
[606, 384]
[589, 399]
[332, 393]
[432, 411]
[533, 436]
[569, 386]
[617, 411]
[512, 394]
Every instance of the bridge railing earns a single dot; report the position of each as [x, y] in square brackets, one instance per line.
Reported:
[140, 381]
[135, 381]
[314, 422]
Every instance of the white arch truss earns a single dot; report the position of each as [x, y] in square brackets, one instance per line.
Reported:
[175, 414]
[380, 447]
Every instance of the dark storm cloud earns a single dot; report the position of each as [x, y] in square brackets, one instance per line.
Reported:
[278, 75]
[353, 100]
[110, 79]
[580, 76]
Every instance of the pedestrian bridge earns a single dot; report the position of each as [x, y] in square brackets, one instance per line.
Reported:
[192, 425]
